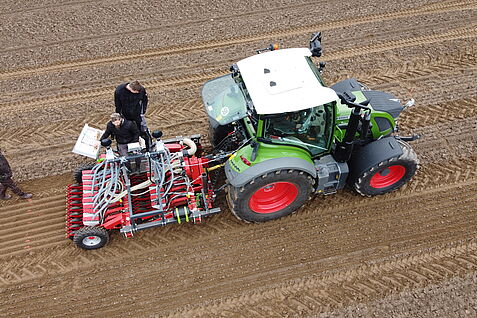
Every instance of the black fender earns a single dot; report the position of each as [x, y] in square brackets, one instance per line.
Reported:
[347, 85]
[372, 154]
[238, 179]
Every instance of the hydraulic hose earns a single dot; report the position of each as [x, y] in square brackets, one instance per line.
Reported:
[141, 185]
[192, 146]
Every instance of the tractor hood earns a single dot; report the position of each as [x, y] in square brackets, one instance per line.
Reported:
[379, 101]
[224, 101]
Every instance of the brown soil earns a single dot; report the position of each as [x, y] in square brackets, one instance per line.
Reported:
[411, 253]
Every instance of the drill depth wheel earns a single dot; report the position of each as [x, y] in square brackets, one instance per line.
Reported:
[91, 237]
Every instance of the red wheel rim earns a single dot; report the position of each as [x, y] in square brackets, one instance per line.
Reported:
[388, 176]
[273, 197]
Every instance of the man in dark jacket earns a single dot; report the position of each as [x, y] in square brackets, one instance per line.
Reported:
[6, 181]
[123, 130]
[131, 100]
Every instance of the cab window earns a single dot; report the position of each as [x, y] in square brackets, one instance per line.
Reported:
[308, 128]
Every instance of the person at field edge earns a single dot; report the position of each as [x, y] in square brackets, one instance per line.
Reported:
[123, 130]
[130, 100]
[6, 181]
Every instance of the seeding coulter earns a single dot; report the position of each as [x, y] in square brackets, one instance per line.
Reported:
[168, 185]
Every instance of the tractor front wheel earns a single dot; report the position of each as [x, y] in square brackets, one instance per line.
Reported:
[388, 175]
[270, 196]
[91, 237]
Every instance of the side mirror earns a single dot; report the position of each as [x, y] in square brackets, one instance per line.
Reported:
[347, 97]
[315, 44]
[365, 102]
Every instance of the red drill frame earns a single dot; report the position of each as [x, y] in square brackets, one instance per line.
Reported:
[186, 194]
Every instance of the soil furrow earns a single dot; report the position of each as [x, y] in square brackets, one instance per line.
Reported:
[316, 287]
[199, 78]
[434, 8]
[409, 253]
[332, 210]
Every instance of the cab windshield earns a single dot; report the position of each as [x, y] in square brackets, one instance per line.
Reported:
[224, 100]
[309, 128]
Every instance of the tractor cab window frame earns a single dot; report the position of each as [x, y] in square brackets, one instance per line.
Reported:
[251, 112]
[315, 70]
[310, 129]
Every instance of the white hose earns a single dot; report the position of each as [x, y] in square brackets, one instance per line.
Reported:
[118, 196]
[192, 146]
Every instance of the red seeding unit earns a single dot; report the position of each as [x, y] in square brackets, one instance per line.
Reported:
[168, 185]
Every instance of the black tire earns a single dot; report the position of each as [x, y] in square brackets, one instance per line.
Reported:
[388, 175]
[270, 196]
[78, 173]
[91, 237]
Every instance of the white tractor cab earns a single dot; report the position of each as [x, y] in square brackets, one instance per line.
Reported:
[283, 85]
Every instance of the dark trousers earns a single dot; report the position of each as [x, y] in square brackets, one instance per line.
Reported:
[145, 134]
[9, 183]
[123, 151]
[147, 138]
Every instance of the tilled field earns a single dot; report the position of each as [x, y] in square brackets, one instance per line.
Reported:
[411, 253]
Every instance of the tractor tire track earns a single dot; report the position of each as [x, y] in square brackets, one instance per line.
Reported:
[103, 93]
[417, 70]
[461, 33]
[154, 53]
[308, 296]
[38, 8]
[21, 238]
[390, 276]
[421, 117]
[100, 92]
[21, 106]
[334, 205]
[448, 296]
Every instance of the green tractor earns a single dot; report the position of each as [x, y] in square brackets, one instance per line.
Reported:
[289, 135]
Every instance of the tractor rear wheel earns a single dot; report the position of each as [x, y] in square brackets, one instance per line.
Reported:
[270, 196]
[91, 237]
[388, 175]
[78, 174]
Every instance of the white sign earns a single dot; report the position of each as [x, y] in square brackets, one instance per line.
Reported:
[88, 142]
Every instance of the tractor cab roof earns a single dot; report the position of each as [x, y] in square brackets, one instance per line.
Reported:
[283, 81]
